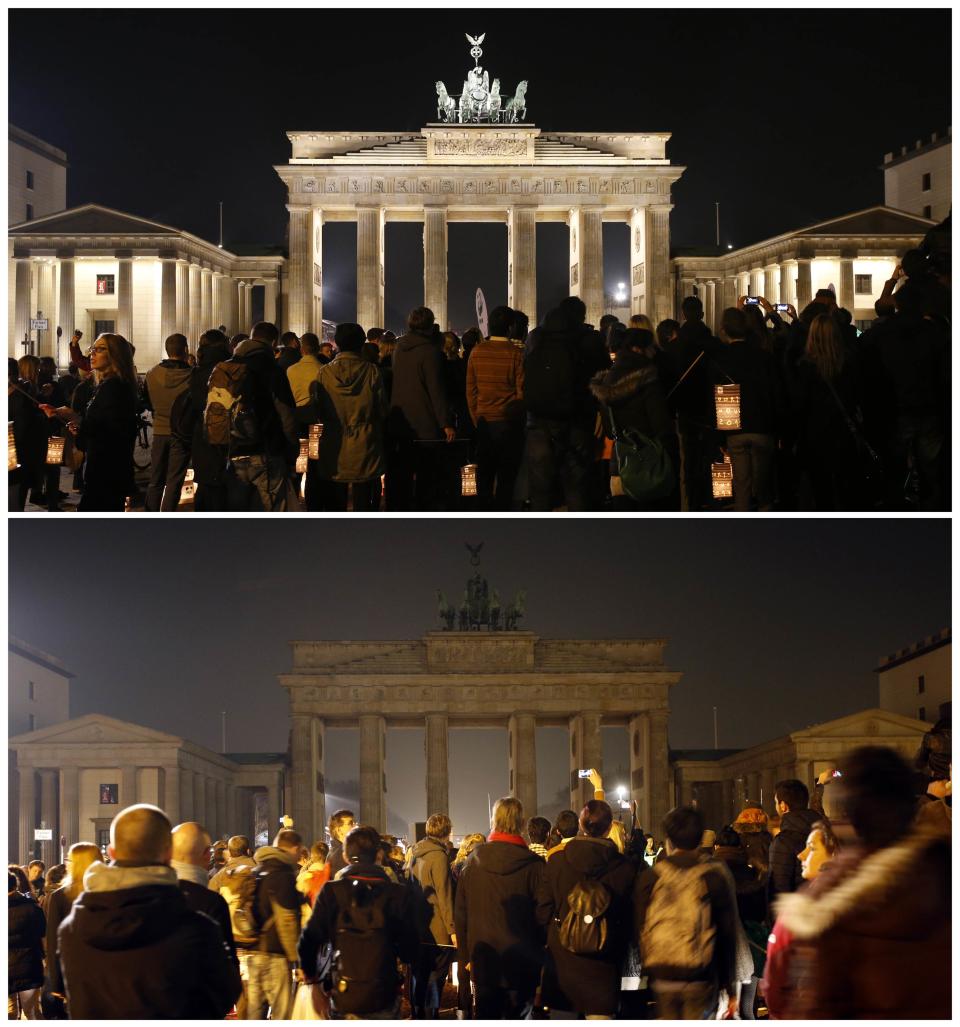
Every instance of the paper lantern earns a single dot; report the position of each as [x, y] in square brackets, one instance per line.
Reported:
[188, 490]
[55, 450]
[722, 476]
[468, 480]
[727, 400]
[301, 467]
[316, 433]
[12, 463]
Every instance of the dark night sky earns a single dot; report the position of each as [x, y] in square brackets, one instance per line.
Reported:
[779, 623]
[782, 116]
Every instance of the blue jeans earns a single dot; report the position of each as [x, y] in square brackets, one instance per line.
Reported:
[270, 986]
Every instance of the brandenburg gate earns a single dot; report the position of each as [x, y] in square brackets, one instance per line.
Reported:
[480, 161]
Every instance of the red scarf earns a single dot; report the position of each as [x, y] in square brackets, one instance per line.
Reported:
[513, 839]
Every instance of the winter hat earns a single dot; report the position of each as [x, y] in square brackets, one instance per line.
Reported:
[752, 813]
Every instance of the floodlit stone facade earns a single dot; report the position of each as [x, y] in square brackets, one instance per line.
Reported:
[36, 177]
[917, 681]
[918, 180]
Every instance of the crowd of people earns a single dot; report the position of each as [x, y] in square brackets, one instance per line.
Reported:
[564, 416]
[836, 908]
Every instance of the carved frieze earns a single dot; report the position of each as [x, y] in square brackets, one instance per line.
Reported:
[638, 274]
[478, 146]
[574, 275]
[625, 185]
[308, 185]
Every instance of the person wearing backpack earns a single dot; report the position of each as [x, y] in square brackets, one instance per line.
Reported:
[687, 922]
[162, 386]
[562, 356]
[585, 901]
[235, 884]
[362, 925]
[191, 851]
[276, 909]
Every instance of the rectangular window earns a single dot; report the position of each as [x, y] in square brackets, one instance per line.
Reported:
[925, 185]
[922, 713]
[921, 684]
[103, 837]
[32, 691]
[33, 722]
[864, 284]
[29, 216]
[105, 285]
[29, 179]
[928, 212]
[109, 795]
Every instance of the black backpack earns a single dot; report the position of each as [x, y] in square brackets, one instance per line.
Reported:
[365, 977]
[585, 929]
[550, 373]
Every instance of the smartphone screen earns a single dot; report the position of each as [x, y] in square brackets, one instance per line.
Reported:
[752, 300]
[783, 306]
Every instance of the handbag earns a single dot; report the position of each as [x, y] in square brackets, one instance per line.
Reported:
[73, 456]
[646, 470]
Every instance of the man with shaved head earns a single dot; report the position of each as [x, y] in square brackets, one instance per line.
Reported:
[191, 854]
[131, 948]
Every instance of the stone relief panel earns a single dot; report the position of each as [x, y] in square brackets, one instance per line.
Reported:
[558, 185]
[308, 185]
[491, 185]
[359, 185]
[448, 185]
[536, 185]
[479, 146]
[649, 186]
[583, 185]
[470, 186]
[378, 185]
[638, 274]
[606, 185]
[515, 185]
[425, 185]
[332, 185]
[625, 185]
[575, 275]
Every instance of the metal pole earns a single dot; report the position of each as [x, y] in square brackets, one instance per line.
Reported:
[221, 225]
[716, 744]
[717, 205]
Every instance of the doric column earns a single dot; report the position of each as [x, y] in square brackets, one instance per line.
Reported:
[639, 741]
[372, 785]
[270, 287]
[522, 261]
[49, 851]
[274, 803]
[638, 258]
[847, 297]
[300, 285]
[46, 302]
[370, 276]
[183, 298]
[223, 826]
[21, 303]
[233, 824]
[659, 300]
[316, 235]
[218, 314]
[70, 804]
[199, 811]
[302, 778]
[522, 729]
[318, 744]
[586, 753]
[756, 281]
[125, 297]
[128, 786]
[803, 771]
[767, 784]
[194, 306]
[66, 312]
[743, 284]
[730, 294]
[168, 299]
[771, 284]
[240, 289]
[435, 263]
[248, 306]
[186, 795]
[28, 812]
[435, 743]
[169, 791]
[710, 305]
[804, 285]
[728, 814]
[229, 305]
[210, 807]
[753, 786]
[660, 790]
[686, 788]
[788, 282]
[586, 259]
[206, 301]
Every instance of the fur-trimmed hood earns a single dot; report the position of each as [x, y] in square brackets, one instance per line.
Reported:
[868, 887]
[612, 394]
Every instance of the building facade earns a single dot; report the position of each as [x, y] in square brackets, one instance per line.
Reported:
[918, 180]
[37, 177]
[916, 681]
[852, 255]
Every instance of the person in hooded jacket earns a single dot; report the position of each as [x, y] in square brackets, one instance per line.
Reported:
[349, 401]
[162, 385]
[30, 433]
[25, 929]
[131, 948]
[498, 936]
[791, 798]
[588, 985]
[429, 866]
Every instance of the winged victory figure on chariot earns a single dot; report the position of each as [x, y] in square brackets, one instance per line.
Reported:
[480, 101]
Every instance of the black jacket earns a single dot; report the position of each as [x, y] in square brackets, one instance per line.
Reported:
[693, 397]
[592, 359]
[586, 984]
[106, 436]
[751, 890]
[25, 929]
[336, 859]
[273, 402]
[203, 900]
[495, 916]
[755, 371]
[140, 953]
[30, 434]
[785, 869]
[57, 909]
[288, 356]
[419, 405]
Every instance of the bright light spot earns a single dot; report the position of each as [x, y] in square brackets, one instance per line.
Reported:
[729, 245]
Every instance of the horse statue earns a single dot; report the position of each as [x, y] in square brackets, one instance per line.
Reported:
[493, 100]
[446, 105]
[446, 612]
[464, 612]
[516, 108]
[495, 611]
[515, 611]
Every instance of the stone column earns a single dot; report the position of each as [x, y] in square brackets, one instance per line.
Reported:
[661, 798]
[771, 284]
[199, 810]
[767, 784]
[70, 804]
[435, 743]
[21, 304]
[186, 795]
[586, 259]
[686, 788]
[243, 317]
[370, 276]
[316, 233]
[638, 257]
[730, 294]
[710, 307]
[270, 287]
[788, 282]
[756, 281]
[28, 812]
[300, 270]
[223, 826]
[522, 728]
[318, 743]
[49, 851]
[168, 299]
[804, 284]
[686, 287]
[66, 312]
[729, 814]
[206, 301]
[803, 771]
[274, 799]
[847, 297]
[639, 742]
[232, 824]
[753, 786]
[229, 305]
[128, 786]
[435, 263]
[586, 753]
[125, 297]
[183, 298]
[302, 779]
[210, 807]
[169, 792]
[46, 302]
[194, 306]
[372, 785]
[522, 261]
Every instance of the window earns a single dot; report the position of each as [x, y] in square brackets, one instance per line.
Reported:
[33, 722]
[922, 713]
[105, 285]
[863, 324]
[31, 691]
[108, 795]
[921, 684]
[29, 216]
[29, 179]
[925, 184]
[103, 837]
[863, 283]
[928, 212]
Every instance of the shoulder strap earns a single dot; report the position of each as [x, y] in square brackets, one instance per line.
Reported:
[852, 427]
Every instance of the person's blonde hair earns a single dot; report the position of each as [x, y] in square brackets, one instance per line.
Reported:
[120, 353]
[82, 856]
[618, 835]
[29, 367]
[507, 817]
[642, 321]
[825, 347]
[467, 846]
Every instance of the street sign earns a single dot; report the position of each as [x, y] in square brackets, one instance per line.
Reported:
[39, 324]
[43, 834]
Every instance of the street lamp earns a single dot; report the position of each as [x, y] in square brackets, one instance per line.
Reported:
[621, 800]
[621, 292]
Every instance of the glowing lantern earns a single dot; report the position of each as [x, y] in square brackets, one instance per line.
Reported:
[12, 462]
[468, 480]
[316, 433]
[302, 458]
[188, 490]
[55, 450]
[727, 399]
[722, 476]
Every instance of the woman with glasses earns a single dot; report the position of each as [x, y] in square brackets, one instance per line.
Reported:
[107, 431]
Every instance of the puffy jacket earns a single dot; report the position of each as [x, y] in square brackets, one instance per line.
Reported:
[163, 384]
[785, 870]
[25, 929]
[131, 949]
[430, 866]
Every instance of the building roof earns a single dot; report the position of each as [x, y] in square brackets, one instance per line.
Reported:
[925, 645]
[37, 145]
[890, 160]
[257, 757]
[879, 220]
[93, 219]
[28, 652]
[699, 755]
